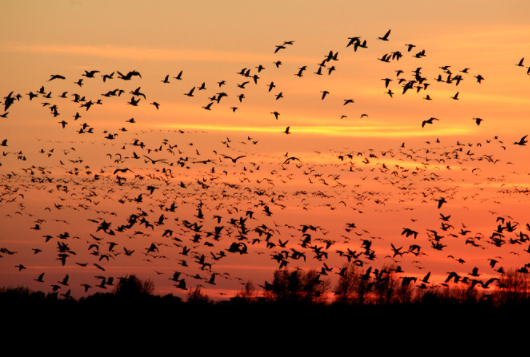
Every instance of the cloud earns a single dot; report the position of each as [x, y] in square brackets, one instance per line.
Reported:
[144, 54]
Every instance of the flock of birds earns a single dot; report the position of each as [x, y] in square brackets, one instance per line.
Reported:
[192, 208]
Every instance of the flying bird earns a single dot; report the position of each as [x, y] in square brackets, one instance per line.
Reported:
[522, 141]
[56, 76]
[428, 121]
[190, 93]
[233, 159]
[385, 37]
[478, 120]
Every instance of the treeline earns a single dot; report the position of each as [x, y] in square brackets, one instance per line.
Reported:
[297, 287]
[387, 287]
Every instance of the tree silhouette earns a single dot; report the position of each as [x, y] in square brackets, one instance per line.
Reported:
[297, 286]
[196, 296]
[248, 294]
[385, 285]
[132, 287]
[354, 285]
[345, 290]
[513, 288]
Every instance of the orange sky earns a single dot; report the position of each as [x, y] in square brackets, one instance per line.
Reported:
[211, 41]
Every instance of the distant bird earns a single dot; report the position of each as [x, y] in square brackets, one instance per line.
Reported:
[385, 37]
[89, 74]
[108, 76]
[175, 277]
[287, 130]
[56, 76]
[478, 120]
[242, 85]
[64, 281]
[134, 102]
[289, 159]
[522, 141]
[428, 121]
[234, 159]
[137, 93]
[190, 93]
[182, 285]
[276, 114]
[353, 40]
[20, 267]
[212, 279]
[279, 47]
[474, 272]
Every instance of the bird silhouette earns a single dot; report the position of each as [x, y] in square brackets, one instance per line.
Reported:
[428, 121]
[522, 141]
[385, 37]
[234, 160]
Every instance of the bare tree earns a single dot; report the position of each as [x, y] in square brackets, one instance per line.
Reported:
[405, 292]
[248, 293]
[513, 288]
[132, 286]
[386, 285]
[297, 286]
[197, 296]
[353, 286]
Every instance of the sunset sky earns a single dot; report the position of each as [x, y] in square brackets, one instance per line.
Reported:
[370, 162]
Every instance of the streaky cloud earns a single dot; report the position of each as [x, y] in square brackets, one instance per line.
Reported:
[144, 54]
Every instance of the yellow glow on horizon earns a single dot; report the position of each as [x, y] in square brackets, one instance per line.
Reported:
[353, 131]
